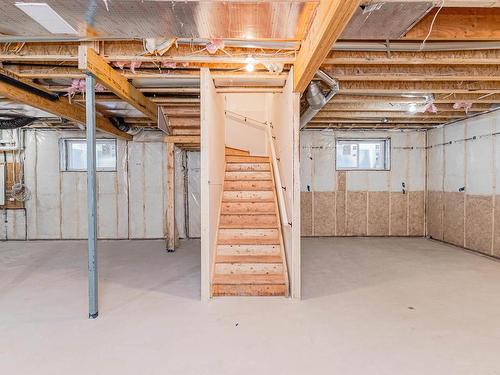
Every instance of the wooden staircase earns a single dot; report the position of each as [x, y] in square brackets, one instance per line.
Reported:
[250, 258]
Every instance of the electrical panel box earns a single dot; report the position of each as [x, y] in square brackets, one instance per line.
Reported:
[2, 184]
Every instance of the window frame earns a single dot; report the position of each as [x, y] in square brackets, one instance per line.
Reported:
[63, 154]
[387, 153]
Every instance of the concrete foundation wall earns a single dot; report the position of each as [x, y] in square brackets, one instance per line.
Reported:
[362, 203]
[463, 184]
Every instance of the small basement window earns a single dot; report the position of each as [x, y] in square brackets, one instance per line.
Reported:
[73, 154]
[363, 154]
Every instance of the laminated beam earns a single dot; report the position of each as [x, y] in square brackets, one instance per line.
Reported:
[331, 18]
[61, 108]
[94, 64]
[180, 139]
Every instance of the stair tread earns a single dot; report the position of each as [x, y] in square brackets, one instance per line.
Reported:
[246, 159]
[246, 200]
[248, 279]
[248, 241]
[231, 213]
[248, 259]
[248, 226]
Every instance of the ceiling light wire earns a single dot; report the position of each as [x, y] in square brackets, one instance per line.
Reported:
[432, 25]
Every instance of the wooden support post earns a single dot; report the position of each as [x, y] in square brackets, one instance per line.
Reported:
[170, 226]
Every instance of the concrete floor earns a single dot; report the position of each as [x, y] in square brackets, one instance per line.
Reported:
[371, 306]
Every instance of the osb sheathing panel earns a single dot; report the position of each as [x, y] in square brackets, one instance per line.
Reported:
[496, 244]
[435, 214]
[399, 216]
[324, 213]
[356, 213]
[478, 223]
[306, 213]
[340, 218]
[453, 218]
[416, 213]
[378, 213]
[341, 181]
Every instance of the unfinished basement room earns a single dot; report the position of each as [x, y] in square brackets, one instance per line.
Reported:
[249, 187]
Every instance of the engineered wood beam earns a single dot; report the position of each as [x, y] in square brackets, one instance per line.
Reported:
[60, 107]
[331, 18]
[458, 24]
[179, 139]
[92, 63]
[388, 115]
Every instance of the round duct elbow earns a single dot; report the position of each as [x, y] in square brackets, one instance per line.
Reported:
[315, 97]
[119, 123]
[16, 122]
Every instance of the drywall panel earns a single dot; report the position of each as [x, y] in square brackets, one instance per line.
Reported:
[212, 162]
[243, 135]
[479, 177]
[454, 157]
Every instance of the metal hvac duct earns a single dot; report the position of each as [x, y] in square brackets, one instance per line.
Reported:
[315, 98]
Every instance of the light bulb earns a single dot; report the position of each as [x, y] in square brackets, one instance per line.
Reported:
[250, 67]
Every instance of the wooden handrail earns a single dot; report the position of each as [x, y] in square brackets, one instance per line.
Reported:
[277, 178]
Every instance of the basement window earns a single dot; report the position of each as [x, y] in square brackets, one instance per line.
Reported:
[363, 154]
[73, 155]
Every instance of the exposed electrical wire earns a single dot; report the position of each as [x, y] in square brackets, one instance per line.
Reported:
[432, 25]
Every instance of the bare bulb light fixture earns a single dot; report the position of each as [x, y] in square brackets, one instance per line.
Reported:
[250, 67]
